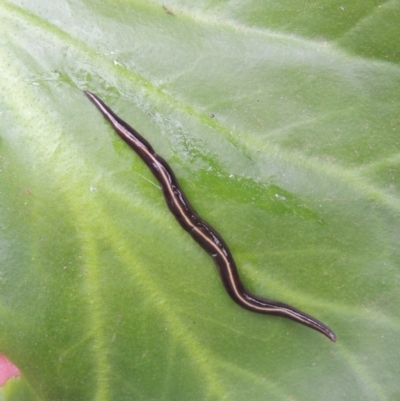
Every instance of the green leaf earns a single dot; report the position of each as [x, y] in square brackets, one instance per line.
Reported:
[281, 122]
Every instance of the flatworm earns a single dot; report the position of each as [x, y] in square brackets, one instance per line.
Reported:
[201, 231]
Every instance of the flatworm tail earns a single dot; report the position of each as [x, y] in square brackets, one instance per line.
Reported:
[202, 232]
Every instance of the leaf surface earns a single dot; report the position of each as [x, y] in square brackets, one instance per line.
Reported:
[281, 122]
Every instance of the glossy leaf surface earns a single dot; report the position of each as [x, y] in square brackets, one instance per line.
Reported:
[282, 124]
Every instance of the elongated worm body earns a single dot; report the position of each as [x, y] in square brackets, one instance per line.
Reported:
[202, 232]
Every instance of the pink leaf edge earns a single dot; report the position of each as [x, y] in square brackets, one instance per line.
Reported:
[7, 370]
